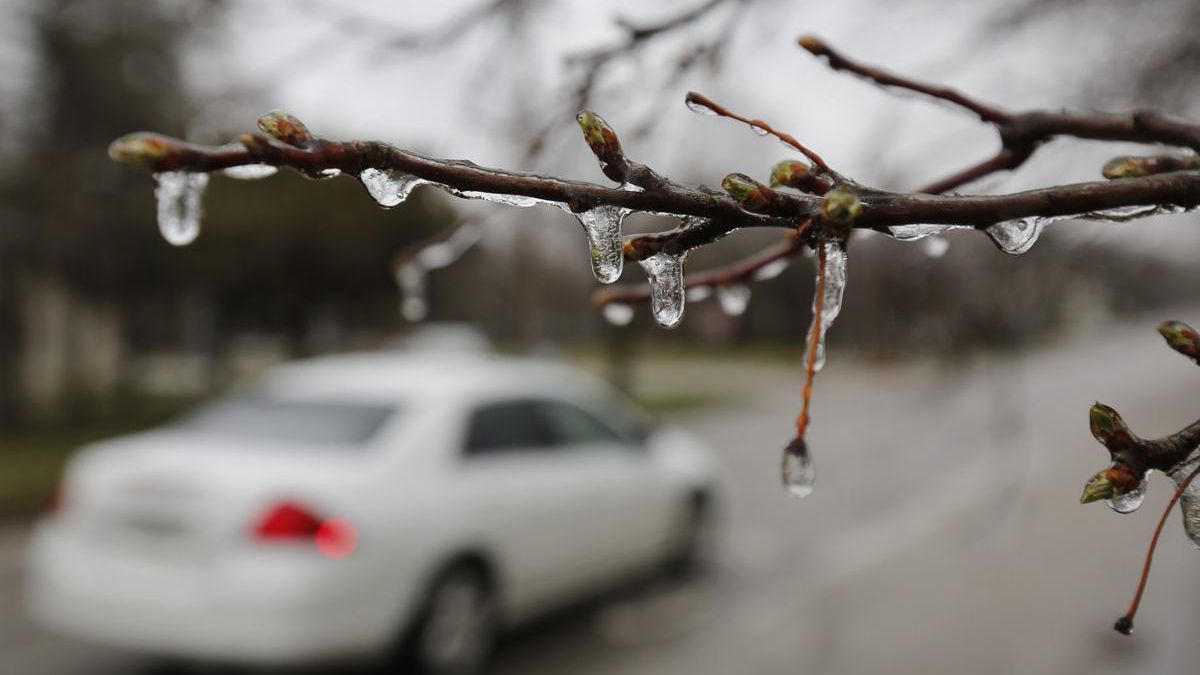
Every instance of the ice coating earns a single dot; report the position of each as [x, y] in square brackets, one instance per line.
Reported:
[1130, 501]
[602, 225]
[1189, 501]
[179, 195]
[1016, 236]
[797, 470]
[666, 287]
[831, 299]
[388, 188]
[251, 171]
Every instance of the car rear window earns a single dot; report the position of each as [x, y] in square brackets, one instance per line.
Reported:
[304, 422]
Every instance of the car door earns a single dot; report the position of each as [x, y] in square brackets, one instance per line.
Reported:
[528, 500]
[626, 500]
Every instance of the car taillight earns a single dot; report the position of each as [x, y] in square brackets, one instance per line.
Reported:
[291, 522]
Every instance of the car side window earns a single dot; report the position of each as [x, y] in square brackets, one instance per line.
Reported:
[572, 425]
[507, 426]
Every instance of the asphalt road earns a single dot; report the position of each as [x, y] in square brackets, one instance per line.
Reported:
[945, 534]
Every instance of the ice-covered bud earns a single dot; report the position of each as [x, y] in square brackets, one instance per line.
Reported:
[142, 149]
[604, 144]
[841, 205]
[285, 127]
[1112, 482]
[1106, 424]
[798, 176]
[599, 136]
[1182, 338]
[813, 44]
[749, 193]
[1125, 167]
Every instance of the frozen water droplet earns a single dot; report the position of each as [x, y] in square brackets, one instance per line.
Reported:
[699, 293]
[699, 108]
[519, 201]
[603, 228]
[179, 195]
[618, 314]
[251, 171]
[758, 131]
[666, 287]
[1016, 236]
[733, 299]
[797, 469]
[1130, 501]
[831, 299]
[329, 173]
[410, 281]
[389, 188]
[771, 269]
[935, 247]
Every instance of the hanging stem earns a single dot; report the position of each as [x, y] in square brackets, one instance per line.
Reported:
[814, 340]
[1124, 624]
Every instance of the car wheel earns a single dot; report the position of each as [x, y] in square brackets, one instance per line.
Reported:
[696, 542]
[457, 628]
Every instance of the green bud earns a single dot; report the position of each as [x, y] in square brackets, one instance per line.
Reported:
[1114, 481]
[749, 193]
[1099, 487]
[143, 149]
[285, 127]
[841, 205]
[1182, 338]
[1105, 423]
[597, 133]
[1124, 167]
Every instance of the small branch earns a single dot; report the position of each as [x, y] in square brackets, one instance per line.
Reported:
[694, 99]
[836, 61]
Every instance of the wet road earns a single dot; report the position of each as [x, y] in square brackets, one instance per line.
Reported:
[945, 533]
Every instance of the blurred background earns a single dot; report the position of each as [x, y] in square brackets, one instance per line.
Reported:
[949, 432]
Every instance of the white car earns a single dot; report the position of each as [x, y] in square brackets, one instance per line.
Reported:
[363, 505]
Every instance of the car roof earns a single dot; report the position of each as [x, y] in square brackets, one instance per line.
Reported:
[402, 375]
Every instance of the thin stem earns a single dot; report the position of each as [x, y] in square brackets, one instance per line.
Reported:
[810, 366]
[1124, 625]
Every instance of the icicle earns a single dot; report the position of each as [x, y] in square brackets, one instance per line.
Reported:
[935, 247]
[797, 469]
[1016, 236]
[603, 228]
[251, 171]
[389, 188]
[666, 287]
[179, 195]
[771, 269]
[1130, 501]
[699, 293]
[831, 301]
[1189, 502]
[410, 280]
[328, 173]
[618, 314]
[733, 299]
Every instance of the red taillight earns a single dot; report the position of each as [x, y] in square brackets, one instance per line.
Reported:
[287, 521]
[290, 522]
